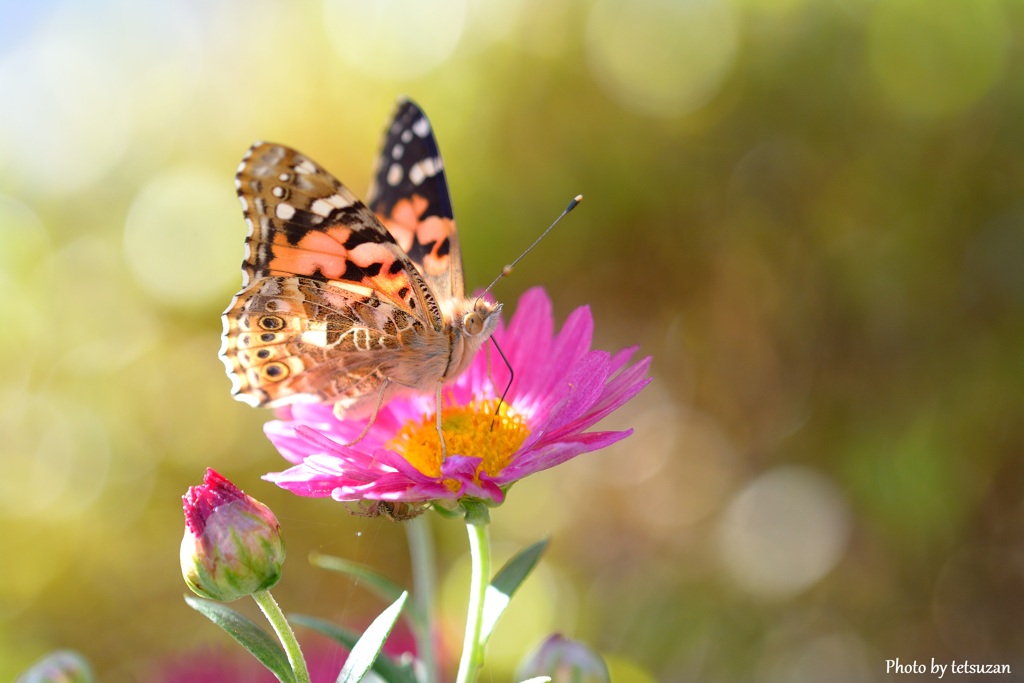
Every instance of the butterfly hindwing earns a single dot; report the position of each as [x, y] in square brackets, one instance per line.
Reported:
[410, 196]
[290, 337]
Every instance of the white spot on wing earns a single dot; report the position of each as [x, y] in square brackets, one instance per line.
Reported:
[245, 398]
[395, 174]
[421, 127]
[351, 287]
[397, 151]
[305, 166]
[315, 337]
[324, 205]
[406, 136]
[427, 168]
[278, 191]
[285, 211]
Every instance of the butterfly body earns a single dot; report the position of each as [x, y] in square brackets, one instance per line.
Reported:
[346, 303]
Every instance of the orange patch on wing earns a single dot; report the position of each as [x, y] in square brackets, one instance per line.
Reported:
[406, 224]
[404, 221]
[434, 263]
[317, 250]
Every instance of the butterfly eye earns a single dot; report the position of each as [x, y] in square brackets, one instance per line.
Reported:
[473, 323]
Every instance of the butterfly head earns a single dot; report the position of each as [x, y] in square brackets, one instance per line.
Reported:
[480, 320]
[472, 323]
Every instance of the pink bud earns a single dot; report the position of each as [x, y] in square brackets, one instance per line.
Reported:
[232, 545]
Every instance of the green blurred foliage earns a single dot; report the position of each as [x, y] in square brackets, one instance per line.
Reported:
[808, 211]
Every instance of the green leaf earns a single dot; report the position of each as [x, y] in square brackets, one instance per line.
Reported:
[506, 582]
[371, 579]
[365, 651]
[254, 639]
[384, 666]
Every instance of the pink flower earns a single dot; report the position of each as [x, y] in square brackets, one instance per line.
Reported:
[561, 389]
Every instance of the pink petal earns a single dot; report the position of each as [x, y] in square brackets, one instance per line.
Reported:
[556, 453]
[546, 372]
[614, 395]
[462, 469]
[576, 394]
[529, 336]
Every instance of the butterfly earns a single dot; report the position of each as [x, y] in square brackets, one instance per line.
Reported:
[344, 302]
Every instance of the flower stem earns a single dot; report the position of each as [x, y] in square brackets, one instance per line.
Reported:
[480, 553]
[284, 633]
[424, 582]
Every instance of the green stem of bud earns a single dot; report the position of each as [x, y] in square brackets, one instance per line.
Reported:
[275, 616]
[480, 554]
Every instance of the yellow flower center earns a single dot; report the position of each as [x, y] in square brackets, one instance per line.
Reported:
[471, 430]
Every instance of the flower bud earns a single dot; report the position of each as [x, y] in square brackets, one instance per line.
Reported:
[232, 545]
[564, 660]
[62, 666]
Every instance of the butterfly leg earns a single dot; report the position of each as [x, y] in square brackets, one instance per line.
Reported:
[373, 415]
[440, 432]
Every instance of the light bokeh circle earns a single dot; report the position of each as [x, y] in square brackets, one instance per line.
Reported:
[783, 532]
[394, 38]
[183, 236]
[934, 59]
[661, 57]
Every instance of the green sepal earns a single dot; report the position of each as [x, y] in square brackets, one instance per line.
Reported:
[477, 512]
[258, 642]
[506, 582]
[364, 653]
[448, 510]
[383, 666]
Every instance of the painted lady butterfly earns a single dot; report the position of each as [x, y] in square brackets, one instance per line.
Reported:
[343, 302]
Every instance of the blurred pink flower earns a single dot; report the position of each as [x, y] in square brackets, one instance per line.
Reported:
[564, 660]
[210, 664]
[561, 388]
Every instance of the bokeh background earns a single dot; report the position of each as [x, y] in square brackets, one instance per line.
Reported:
[809, 212]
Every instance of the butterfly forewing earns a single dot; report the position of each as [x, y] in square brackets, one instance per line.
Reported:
[304, 222]
[410, 196]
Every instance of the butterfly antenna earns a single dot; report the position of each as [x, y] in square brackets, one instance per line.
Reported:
[507, 270]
